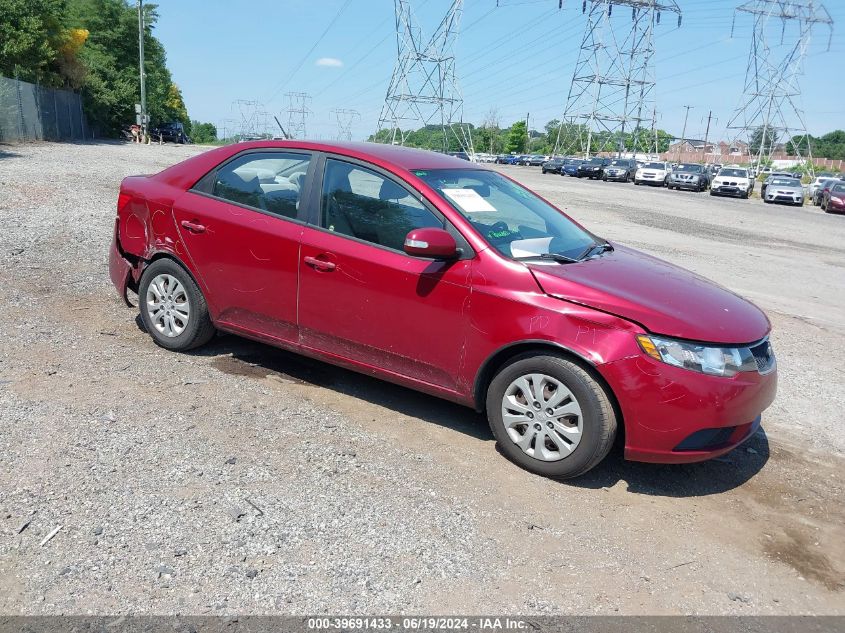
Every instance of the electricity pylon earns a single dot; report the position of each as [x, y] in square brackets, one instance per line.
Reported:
[424, 90]
[345, 119]
[298, 112]
[769, 112]
[612, 89]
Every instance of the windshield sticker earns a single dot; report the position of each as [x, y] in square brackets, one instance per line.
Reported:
[469, 200]
[421, 173]
[502, 234]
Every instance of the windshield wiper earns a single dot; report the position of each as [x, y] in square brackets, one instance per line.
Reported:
[604, 246]
[556, 257]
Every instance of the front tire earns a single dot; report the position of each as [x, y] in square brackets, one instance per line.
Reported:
[173, 309]
[550, 416]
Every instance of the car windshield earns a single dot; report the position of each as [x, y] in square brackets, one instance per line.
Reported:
[512, 219]
[785, 182]
[620, 163]
[572, 161]
[838, 189]
[654, 166]
[596, 161]
[688, 167]
[736, 173]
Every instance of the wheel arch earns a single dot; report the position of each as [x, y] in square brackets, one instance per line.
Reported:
[504, 355]
[176, 260]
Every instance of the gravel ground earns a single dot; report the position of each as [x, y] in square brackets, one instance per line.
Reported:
[241, 479]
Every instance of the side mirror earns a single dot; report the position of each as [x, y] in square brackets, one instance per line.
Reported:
[431, 242]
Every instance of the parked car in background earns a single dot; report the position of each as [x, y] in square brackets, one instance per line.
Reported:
[533, 160]
[620, 169]
[173, 132]
[652, 173]
[814, 184]
[784, 189]
[732, 181]
[461, 155]
[510, 159]
[502, 159]
[834, 198]
[366, 255]
[774, 174]
[553, 165]
[593, 168]
[688, 176]
[824, 187]
[570, 166]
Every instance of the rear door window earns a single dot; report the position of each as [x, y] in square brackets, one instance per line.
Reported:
[269, 181]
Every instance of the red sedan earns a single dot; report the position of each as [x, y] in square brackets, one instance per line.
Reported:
[450, 278]
[833, 198]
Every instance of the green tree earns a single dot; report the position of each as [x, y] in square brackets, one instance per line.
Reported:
[203, 133]
[517, 138]
[757, 142]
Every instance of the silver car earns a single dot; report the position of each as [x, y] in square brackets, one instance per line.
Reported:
[782, 189]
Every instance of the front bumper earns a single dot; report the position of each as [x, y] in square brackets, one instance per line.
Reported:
[678, 416]
[788, 198]
[615, 176]
[728, 190]
[685, 184]
[589, 173]
[833, 206]
[652, 179]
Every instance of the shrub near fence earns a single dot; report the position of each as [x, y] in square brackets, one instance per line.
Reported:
[29, 112]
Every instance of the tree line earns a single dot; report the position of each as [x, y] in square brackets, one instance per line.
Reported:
[555, 137]
[91, 46]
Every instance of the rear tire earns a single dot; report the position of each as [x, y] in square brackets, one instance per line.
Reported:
[173, 309]
[575, 436]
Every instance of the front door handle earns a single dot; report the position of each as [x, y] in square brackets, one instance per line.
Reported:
[319, 264]
[193, 227]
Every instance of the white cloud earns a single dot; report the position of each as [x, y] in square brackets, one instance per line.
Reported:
[331, 62]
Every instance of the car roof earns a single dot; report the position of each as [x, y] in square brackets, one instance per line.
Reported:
[396, 155]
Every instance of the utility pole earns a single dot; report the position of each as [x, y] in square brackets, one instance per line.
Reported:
[527, 133]
[141, 69]
[683, 134]
[707, 135]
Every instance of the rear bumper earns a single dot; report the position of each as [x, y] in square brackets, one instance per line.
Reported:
[678, 416]
[119, 267]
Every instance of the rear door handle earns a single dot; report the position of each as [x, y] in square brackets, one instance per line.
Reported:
[319, 264]
[193, 227]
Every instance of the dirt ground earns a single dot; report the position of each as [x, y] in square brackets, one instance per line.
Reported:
[242, 479]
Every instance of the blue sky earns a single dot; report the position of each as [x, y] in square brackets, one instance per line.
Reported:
[517, 58]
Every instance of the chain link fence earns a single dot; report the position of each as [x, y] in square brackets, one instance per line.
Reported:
[29, 112]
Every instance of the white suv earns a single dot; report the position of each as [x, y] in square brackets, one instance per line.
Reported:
[652, 173]
[732, 181]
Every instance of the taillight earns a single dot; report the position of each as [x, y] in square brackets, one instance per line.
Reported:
[123, 200]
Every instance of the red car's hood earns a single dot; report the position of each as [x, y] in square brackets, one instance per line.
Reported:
[662, 297]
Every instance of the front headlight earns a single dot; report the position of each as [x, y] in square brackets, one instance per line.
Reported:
[707, 359]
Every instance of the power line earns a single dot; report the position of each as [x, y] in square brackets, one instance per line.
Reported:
[305, 57]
